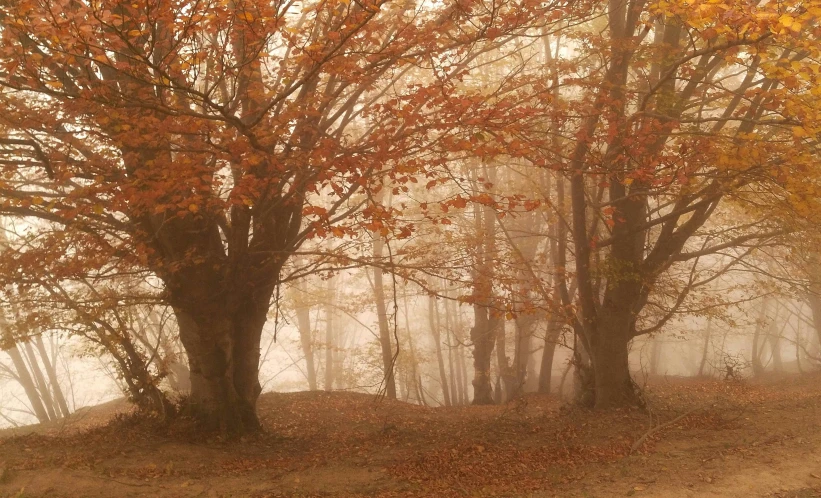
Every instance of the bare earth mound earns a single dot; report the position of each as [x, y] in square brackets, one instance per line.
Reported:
[734, 440]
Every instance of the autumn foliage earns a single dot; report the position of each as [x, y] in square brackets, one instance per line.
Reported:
[585, 159]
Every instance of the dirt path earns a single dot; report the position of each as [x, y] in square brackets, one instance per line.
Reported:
[742, 440]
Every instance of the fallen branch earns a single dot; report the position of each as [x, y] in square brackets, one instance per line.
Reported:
[640, 441]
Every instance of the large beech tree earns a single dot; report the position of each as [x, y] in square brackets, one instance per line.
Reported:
[204, 141]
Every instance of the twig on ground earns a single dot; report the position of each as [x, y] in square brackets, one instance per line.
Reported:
[640, 441]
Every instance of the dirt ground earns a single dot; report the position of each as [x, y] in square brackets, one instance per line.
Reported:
[711, 438]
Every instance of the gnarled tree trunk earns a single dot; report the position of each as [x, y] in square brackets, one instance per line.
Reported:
[223, 347]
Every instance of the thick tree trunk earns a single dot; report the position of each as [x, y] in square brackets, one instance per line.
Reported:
[584, 382]
[554, 330]
[482, 335]
[613, 384]
[223, 358]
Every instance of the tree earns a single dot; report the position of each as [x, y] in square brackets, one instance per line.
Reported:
[203, 143]
[688, 115]
[388, 359]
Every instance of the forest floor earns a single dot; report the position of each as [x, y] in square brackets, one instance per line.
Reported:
[736, 439]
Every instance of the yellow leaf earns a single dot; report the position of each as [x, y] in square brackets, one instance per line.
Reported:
[193, 208]
[799, 132]
[787, 21]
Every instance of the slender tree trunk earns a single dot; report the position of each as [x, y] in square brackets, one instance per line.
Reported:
[27, 382]
[421, 391]
[464, 369]
[454, 391]
[506, 370]
[434, 327]
[774, 339]
[798, 341]
[705, 350]
[330, 344]
[40, 381]
[775, 347]
[303, 319]
[51, 372]
[814, 300]
[760, 325]
[521, 357]
[382, 316]
[177, 374]
[462, 362]
[655, 355]
[417, 379]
